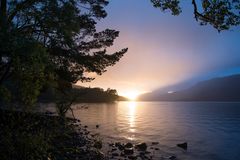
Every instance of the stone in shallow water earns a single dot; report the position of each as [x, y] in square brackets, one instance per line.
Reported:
[172, 157]
[132, 157]
[141, 146]
[155, 143]
[115, 154]
[119, 146]
[183, 145]
[128, 145]
[111, 145]
[128, 151]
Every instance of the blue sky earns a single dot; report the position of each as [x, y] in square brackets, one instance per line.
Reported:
[164, 49]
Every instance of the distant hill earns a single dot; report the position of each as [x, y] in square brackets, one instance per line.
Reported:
[86, 95]
[217, 89]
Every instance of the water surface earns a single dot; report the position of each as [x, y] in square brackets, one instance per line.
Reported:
[212, 130]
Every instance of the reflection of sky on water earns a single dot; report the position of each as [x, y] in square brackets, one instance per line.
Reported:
[207, 127]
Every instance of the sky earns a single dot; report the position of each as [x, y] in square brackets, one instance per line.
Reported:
[164, 50]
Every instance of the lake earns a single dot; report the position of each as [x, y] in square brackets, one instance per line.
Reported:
[211, 129]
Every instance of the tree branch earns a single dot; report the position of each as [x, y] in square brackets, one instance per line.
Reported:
[19, 7]
[197, 14]
[195, 9]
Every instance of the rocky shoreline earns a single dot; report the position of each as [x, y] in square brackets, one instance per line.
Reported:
[64, 140]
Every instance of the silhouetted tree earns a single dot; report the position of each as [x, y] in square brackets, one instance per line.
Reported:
[43, 40]
[221, 14]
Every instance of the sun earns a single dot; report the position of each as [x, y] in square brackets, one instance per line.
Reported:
[132, 95]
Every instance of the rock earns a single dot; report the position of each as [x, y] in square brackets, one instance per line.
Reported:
[132, 157]
[97, 126]
[115, 154]
[128, 151]
[155, 143]
[172, 157]
[87, 132]
[85, 126]
[111, 145]
[156, 149]
[141, 153]
[48, 113]
[95, 154]
[114, 149]
[122, 154]
[183, 145]
[98, 144]
[141, 146]
[128, 145]
[119, 146]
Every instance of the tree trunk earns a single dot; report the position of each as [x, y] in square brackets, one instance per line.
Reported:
[3, 15]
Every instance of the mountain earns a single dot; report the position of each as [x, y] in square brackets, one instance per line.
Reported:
[217, 89]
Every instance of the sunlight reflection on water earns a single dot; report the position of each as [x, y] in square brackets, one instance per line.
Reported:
[131, 118]
[207, 127]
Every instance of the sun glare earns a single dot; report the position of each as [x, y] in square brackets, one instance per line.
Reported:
[132, 95]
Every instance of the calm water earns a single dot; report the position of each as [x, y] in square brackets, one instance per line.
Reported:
[212, 130]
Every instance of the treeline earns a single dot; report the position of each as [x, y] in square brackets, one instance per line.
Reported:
[85, 95]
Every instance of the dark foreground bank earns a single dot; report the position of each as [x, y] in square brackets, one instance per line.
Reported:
[28, 136]
[32, 136]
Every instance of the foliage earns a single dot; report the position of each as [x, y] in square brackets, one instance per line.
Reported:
[39, 137]
[80, 94]
[221, 14]
[52, 40]
[28, 75]
[96, 95]
[48, 44]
